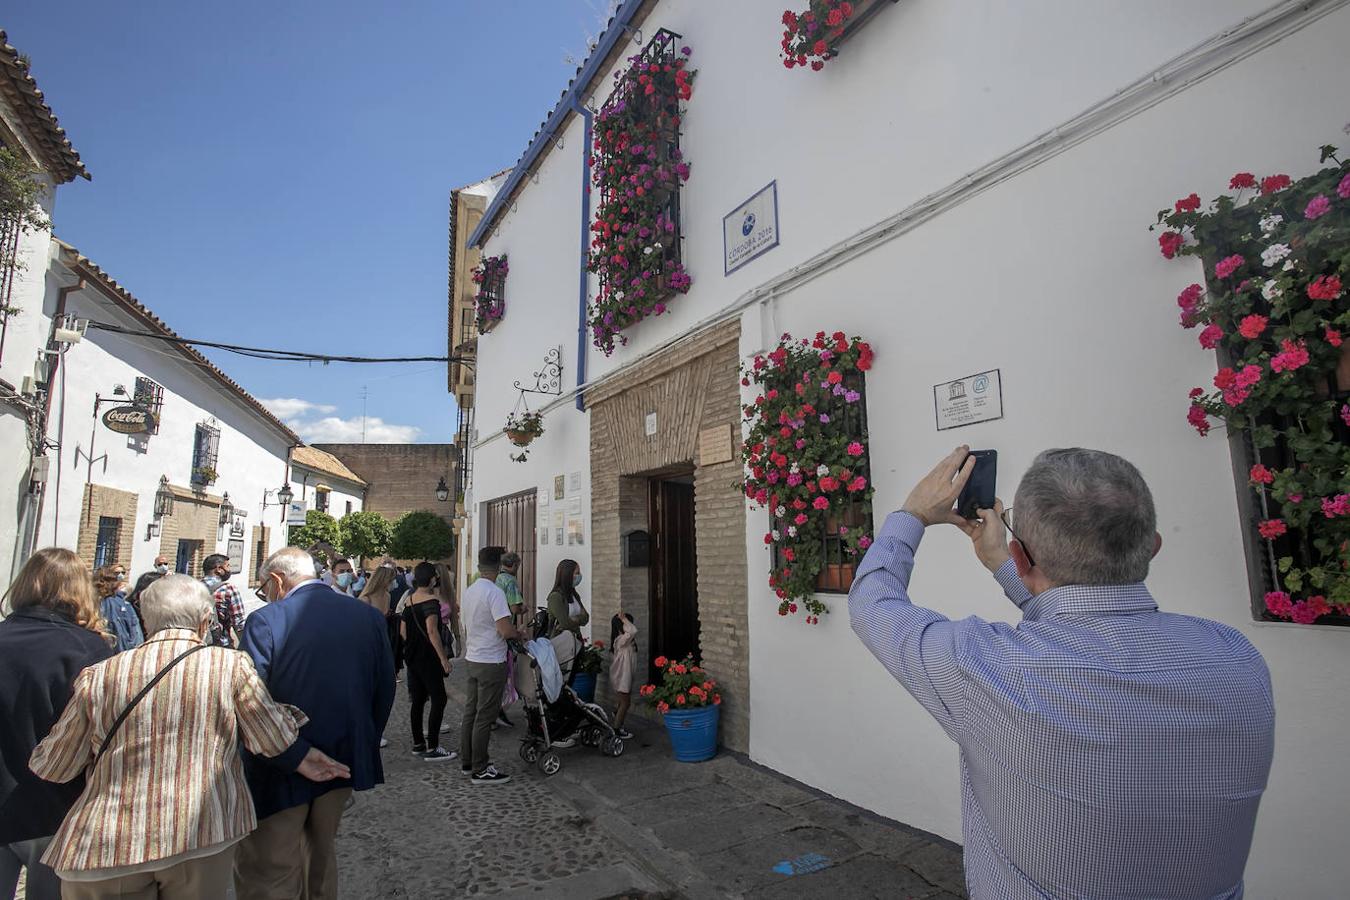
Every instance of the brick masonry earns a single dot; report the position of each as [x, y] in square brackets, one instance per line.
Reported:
[196, 518]
[691, 387]
[100, 501]
[401, 477]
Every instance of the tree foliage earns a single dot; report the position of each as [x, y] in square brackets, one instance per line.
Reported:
[319, 527]
[365, 533]
[422, 535]
[20, 202]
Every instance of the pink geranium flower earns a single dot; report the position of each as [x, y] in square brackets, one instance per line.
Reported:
[1210, 336]
[1291, 356]
[855, 449]
[1228, 265]
[1317, 207]
[1337, 506]
[1252, 326]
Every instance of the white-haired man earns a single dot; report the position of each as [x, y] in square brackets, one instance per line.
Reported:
[328, 654]
[1107, 748]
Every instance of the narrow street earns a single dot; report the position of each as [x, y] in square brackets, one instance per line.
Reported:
[638, 826]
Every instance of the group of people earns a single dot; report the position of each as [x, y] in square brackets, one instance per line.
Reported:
[150, 758]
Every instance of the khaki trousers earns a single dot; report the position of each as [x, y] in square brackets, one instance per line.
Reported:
[291, 854]
[204, 878]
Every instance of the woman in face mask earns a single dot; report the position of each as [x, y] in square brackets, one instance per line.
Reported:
[564, 603]
[110, 583]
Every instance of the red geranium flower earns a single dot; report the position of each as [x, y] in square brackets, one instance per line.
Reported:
[1242, 180]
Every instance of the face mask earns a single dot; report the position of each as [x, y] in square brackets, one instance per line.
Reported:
[345, 579]
[161, 569]
[211, 581]
[576, 580]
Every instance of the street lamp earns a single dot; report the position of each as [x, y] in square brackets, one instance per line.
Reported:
[226, 509]
[284, 495]
[163, 498]
[442, 490]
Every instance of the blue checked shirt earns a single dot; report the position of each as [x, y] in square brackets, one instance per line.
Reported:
[1107, 749]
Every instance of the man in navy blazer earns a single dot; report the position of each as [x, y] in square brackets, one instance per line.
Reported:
[329, 655]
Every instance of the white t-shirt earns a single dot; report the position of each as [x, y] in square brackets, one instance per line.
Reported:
[482, 605]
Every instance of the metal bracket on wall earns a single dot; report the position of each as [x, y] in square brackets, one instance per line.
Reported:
[547, 380]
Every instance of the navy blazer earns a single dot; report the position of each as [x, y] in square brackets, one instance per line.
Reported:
[329, 655]
[41, 653]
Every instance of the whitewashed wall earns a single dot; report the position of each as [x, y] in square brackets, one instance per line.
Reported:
[252, 455]
[25, 334]
[1051, 276]
[303, 481]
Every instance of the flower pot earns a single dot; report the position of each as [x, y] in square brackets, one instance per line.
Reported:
[832, 580]
[584, 686]
[693, 732]
[519, 438]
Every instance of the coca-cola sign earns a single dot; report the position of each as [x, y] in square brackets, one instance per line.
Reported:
[128, 419]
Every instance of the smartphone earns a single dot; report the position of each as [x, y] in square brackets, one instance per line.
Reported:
[979, 491]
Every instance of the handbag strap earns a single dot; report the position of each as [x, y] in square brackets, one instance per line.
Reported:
[126, 711]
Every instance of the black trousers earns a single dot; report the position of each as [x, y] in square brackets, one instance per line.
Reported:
[426, 682]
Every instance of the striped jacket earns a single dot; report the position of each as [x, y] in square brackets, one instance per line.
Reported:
[171, 781]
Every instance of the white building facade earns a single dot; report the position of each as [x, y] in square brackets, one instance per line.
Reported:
[968, 188]
[320, 481]
[203, 464]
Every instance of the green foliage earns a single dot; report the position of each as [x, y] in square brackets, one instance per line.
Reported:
[319, 528]
[422, 535]
[365, 533]
[20, 201]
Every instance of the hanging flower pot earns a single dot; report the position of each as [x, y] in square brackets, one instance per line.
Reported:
[522, 428]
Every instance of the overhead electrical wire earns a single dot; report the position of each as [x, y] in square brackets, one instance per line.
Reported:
[278, 355]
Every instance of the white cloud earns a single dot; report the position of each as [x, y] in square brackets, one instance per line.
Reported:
[300, 415]
[294, 408]
[332, 430]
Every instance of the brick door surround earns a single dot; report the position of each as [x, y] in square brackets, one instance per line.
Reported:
[691, 387]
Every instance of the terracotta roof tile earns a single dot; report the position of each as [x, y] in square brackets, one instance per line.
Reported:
[323, 461]
[19, 88]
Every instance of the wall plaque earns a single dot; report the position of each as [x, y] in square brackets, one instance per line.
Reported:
[966, 401]
[751, 229]
[714, 445]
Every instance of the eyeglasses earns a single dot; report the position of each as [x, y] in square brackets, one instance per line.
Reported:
[261, 595]
[1007, 523]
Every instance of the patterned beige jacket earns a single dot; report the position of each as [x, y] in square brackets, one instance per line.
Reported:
[171, 782]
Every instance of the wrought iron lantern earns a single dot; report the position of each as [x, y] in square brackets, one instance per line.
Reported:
[163, 498]
[442, 490]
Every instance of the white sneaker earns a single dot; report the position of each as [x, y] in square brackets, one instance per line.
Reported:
[384, 742]
[490, 775]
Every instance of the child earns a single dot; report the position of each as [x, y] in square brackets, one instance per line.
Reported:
[623, 647]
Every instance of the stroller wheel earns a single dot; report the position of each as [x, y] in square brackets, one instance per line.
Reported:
[529, 752]
[550, 763]
[612, 746]
[591, 736]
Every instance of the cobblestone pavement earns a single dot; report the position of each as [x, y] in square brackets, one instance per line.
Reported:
[638, 826]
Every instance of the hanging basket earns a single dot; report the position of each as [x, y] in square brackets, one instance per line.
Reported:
[519, 438]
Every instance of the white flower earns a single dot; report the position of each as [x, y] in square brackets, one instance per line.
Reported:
[792, 531]
[794, 470]
[646, 251]
[775, 534]
[618, 295]
[1273, 254]
[1270, 223]
[1271, 289]
[1288, 265]
[822, 471]
[780, 511]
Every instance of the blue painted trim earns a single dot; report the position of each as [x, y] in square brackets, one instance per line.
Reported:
[616, 32]
[583, 278]
[777, 236]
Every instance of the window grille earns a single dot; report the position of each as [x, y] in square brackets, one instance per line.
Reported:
[838, 566]
[149, 396]
[510, 524]
[205, 454]
[108, 541]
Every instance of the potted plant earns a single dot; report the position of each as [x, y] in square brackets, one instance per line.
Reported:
[689, 702]
[204, 475]
[490, 301]
[588, 664]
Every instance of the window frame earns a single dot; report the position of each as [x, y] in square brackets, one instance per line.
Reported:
[107, 546]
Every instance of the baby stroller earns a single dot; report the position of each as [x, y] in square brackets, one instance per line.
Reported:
[562, 722]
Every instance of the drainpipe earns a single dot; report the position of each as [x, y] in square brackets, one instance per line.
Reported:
[54, 365]
[583, 277]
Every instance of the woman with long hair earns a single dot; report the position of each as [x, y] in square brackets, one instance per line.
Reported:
[623, 663]
[449, 605]
[123, 623]
[376, 591]
[564, 603]
[428, 662]
[53, 631]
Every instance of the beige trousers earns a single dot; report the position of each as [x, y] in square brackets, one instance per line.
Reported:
[204, 878]
[291, 854]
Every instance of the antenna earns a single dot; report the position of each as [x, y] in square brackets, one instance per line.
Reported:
[364, 392]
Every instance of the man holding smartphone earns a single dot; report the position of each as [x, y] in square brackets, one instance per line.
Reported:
[1106, 747]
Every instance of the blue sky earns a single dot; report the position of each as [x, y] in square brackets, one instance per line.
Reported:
[277, 174]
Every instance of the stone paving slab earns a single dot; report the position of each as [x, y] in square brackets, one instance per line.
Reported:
[866, 876]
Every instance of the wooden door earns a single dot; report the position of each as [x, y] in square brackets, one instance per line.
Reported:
[673, 572]
[510, 524]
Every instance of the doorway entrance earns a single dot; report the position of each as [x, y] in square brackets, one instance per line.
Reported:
[673, 570]
[188, 558]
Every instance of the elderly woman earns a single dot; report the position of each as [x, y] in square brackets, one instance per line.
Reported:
[53, 630]
[156, 729]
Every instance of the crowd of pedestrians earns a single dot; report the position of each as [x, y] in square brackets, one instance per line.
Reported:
[179, 738]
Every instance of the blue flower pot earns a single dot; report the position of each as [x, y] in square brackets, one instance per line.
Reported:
[584, 685]
[693, 732]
